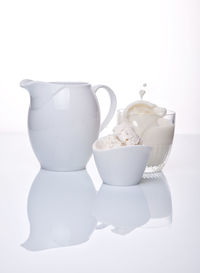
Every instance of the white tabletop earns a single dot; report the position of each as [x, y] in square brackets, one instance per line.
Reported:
[67, 223]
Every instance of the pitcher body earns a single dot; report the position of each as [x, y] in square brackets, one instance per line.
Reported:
[63, 123]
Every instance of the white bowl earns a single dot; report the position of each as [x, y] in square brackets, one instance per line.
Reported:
[123, 166]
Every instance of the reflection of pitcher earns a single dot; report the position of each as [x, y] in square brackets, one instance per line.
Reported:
[60, 209]
[64, 121]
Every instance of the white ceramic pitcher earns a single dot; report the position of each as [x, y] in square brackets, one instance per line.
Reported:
[64, 121]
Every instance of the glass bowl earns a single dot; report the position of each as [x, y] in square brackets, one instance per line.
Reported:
[157, 133]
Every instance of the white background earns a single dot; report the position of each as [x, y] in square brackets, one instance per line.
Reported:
[119, 43]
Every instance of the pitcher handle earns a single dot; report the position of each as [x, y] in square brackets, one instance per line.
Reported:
[113, 104]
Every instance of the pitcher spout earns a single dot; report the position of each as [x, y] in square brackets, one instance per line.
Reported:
[30, 86]
[25, 83]
[40, 92]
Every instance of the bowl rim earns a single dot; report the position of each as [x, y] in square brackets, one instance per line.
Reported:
[128, 147]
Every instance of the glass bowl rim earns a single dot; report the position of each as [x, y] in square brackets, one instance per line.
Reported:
[169, 112]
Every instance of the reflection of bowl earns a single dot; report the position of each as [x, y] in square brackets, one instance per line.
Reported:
[155, 132]
[158, 196]
[122, 208]
[123, 166]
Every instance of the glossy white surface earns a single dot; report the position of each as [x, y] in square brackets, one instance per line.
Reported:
[64, 121]
[123, 166]
[158, 246]
[64, 209]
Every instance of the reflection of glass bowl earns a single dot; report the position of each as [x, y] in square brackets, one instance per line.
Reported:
[157, 133]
